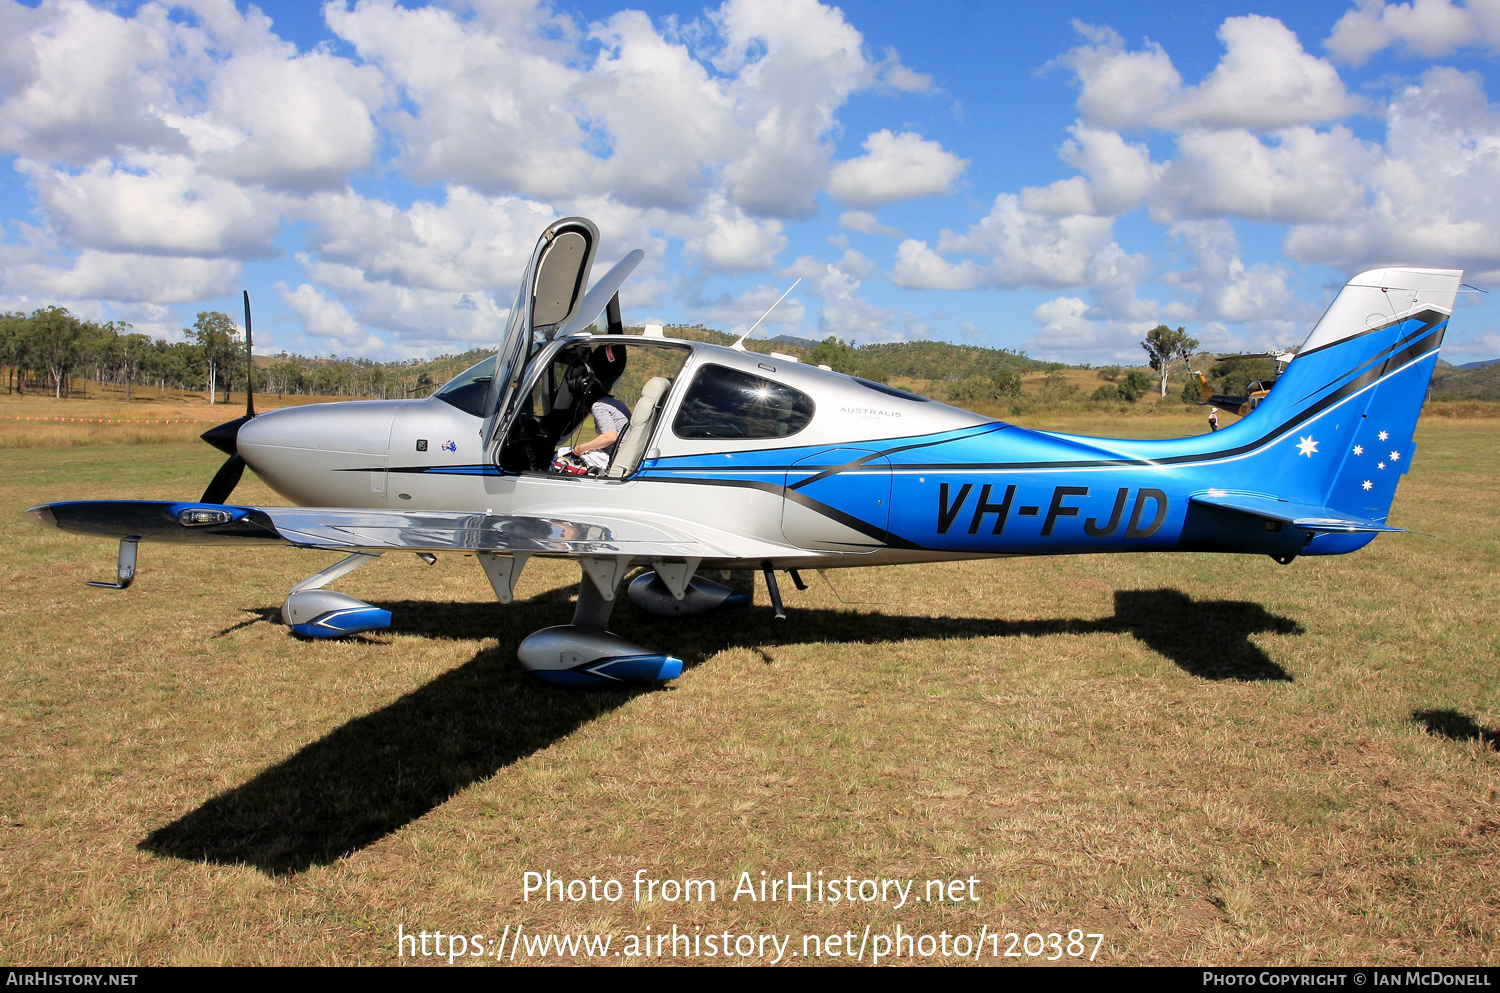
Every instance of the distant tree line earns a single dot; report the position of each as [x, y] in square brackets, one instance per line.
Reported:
[50, 350]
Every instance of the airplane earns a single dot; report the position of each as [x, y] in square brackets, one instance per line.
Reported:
[735, 460]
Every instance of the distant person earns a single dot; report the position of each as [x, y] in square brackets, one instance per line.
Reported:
[1213, 419]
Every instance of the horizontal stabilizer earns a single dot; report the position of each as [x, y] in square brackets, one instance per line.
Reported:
[1301, 515]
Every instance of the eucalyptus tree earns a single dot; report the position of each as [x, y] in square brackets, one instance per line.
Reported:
[55, 340]
[1163, 345]
[214, 334]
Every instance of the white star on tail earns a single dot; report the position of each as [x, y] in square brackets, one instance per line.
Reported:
[1359, 449]
[1383, 435]
[1307, 446]
[1395, 456]
[1380, 465]
[1367, 484]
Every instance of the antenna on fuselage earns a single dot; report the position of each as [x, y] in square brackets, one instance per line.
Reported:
[739, 344]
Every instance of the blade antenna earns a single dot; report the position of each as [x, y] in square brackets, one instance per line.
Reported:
[249, 363]
[739, 345]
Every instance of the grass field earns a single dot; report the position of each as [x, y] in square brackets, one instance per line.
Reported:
[1206, 759]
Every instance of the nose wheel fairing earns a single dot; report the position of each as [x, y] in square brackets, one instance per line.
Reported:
[327, 614]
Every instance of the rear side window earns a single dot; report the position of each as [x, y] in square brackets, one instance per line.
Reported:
[726, 403]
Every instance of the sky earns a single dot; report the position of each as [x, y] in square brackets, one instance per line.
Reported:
[1052, 178]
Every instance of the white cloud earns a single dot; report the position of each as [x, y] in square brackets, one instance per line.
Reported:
[1482, 345]
[83, 82]
[896, 167]
[857, 264]
[155, 203]
[492, 109]
[729, 241]
[793, 64]
[1061, 198]
[844, 312]
[327, 319]
[1120, 174]
[1018, 248]
[899, 77]
[1434, 193]
[737, 312]
[192, 130]
[865, 222]
[124, 277]
[1299, 174]
[305, 120]
[668, 121]
[1068, 333]
[1228, 290]
[418, 318]
[1264, 81]
[468, 243]
[1425, 27]
[1119, 88]
[918, 267]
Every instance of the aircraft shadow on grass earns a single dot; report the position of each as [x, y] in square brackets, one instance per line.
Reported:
[381, 771]
[1456, 726]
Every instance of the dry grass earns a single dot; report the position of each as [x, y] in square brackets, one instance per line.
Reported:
[95, 416]
[1209, 759]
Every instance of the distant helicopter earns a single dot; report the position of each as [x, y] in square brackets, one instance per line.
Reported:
[1254, 393]
[741, 461]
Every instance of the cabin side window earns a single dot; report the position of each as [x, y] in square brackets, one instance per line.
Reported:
[727, 403]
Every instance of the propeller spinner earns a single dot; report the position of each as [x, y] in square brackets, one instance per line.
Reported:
[224, 436]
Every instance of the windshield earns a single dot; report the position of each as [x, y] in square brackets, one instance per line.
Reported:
[467, 390]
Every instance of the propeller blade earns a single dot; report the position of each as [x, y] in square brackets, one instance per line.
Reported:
[249, 365]
[225, 480]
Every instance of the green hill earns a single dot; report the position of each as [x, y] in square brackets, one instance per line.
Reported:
[1449, 382]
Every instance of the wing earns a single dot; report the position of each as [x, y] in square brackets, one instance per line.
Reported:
[354, 530]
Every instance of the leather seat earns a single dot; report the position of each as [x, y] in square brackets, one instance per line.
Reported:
[642, 420]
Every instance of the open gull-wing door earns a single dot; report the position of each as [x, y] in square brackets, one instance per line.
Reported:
[550, 295]
[605, 295]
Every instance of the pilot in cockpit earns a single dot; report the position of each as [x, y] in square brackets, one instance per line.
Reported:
[611, 417]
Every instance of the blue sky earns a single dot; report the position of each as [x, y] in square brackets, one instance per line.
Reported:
[1054, 178]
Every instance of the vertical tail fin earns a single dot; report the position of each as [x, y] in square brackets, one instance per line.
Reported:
[1343, 413]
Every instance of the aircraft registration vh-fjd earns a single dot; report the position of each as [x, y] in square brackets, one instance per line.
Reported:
[738, 460]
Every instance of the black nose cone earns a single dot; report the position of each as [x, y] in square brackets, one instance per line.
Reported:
[223, 436]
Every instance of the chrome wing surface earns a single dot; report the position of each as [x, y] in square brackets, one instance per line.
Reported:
[355, 530]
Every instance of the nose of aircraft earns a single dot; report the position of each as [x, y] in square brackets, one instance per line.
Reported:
[310, 454]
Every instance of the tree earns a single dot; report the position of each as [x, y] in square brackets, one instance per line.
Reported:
[1163, 345]
[13, 330]
[133, 349]
[56, 341]
[215, 334]
[837, 355]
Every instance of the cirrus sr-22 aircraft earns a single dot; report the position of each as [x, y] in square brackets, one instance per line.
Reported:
[738, 460]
